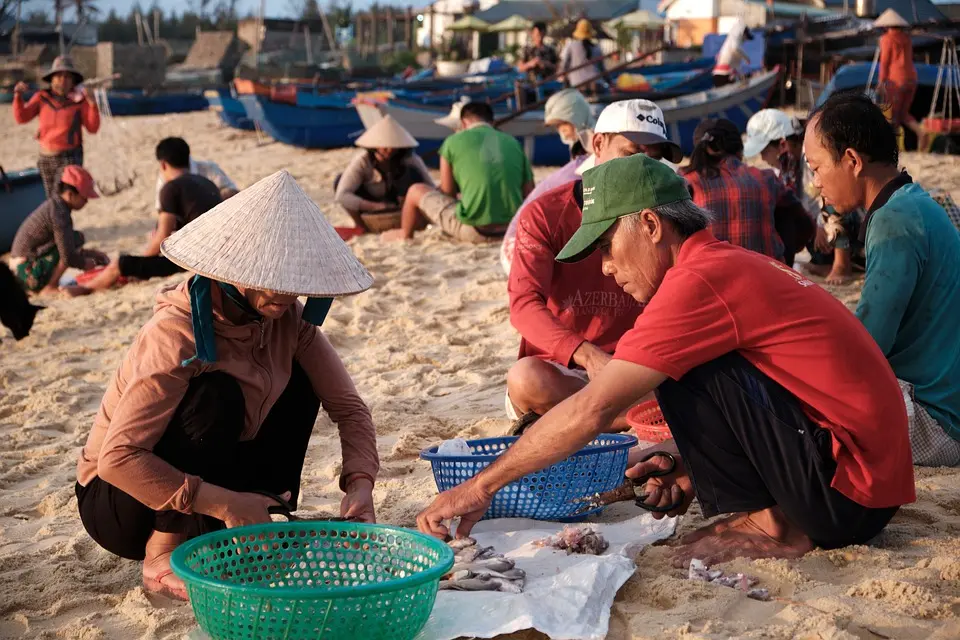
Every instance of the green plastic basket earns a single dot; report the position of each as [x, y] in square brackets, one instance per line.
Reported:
[312, 580]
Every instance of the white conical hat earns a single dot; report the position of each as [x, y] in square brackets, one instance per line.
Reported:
[270, 237]
[387, 134]
[890, 18]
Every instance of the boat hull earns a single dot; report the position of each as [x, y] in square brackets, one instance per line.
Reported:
[312, 128]
[25, 194]
[132, 104]
[229, 109]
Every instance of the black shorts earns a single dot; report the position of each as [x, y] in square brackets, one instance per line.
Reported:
[146, 267]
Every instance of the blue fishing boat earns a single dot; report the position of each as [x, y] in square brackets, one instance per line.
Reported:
[229, 108]
[856, 75]
[20, 193]
[318, 127]
[139, 103]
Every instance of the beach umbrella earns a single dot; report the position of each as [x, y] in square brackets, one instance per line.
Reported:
[469, 23]
[636, 21]
[513, 23]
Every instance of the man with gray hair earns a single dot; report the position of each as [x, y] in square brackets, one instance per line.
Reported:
[731, 341]
[570, 317]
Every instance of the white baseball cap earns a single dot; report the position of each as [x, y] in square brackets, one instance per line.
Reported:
[766, 126]
[640, 121]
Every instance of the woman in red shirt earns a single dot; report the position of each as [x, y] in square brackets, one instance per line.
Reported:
[64, 113]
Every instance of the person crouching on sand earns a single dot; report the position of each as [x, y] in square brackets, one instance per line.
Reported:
[217, 397]
[64, 113]
[46, 244]
[729, 339]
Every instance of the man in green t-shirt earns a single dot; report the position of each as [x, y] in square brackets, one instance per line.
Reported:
[489, 171]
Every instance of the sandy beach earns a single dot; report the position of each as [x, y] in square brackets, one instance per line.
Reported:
[429, 347]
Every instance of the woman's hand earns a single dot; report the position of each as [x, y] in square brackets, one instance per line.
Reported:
[358, 502]
[234, 508]
[20, 87]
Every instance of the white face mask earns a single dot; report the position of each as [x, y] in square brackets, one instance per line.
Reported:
[672, 166]
[569, 141]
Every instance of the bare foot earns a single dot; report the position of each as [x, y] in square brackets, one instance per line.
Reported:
[839, 275]
[760, 534]
[714, 528]
[158, 577]
[394, 235]
[76, 291]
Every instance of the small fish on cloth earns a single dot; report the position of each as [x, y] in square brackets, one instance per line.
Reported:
[575, 539]
[739, 581]
[479, 568]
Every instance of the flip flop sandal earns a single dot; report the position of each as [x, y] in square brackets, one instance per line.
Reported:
[523, 423]
[156, 586]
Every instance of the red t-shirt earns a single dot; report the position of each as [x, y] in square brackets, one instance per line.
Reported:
[557, 306]
[721, 298]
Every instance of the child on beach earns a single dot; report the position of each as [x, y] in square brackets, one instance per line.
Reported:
[46, 243]
[64, 112]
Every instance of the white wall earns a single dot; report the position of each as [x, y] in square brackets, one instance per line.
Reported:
[688, 9]
[441, 19]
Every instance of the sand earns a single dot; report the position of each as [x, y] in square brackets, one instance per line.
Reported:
[429, 347]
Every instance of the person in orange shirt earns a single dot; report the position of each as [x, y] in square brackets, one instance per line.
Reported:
[64, 112]
[898, 74]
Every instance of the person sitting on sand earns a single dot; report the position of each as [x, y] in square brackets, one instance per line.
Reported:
[752, 208]
[778, 140]
[489, 171]
[378, 177]
[215, 401]
[185, 197]
[570, 114]
[64, 113]
[206, 168]
[46, 244]
[910, 300]
[571, 316]
[802, 455]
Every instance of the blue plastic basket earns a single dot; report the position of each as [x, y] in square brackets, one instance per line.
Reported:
[546, 494]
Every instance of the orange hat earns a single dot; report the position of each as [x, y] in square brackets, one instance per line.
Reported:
[80, 179]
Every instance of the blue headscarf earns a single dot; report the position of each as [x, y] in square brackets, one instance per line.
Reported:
[201, 312]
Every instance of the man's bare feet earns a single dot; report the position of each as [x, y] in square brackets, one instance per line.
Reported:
[842, 269]
[759, 534]
[158, 577]
[394, 235]
[819, 270]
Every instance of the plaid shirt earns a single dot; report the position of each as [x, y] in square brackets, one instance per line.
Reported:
[548, 56]
[742, 199]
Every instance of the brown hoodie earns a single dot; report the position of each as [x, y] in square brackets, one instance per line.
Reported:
[148, 386]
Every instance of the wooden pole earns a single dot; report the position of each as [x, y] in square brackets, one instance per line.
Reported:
[16, 31]
[409, 30]
[430, 29]
[540, 103]
[374, 28]
[391, 28]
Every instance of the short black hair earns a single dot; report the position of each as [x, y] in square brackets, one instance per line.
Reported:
[541, 27]
[175, 152]
[63, 187]
[851, 120]
[477, 111]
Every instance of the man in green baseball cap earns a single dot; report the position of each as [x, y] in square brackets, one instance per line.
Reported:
[730, 340]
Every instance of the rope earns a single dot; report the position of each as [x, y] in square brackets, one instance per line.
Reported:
[112, 134]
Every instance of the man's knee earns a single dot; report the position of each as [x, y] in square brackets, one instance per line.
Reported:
[532, 380]
[416, 193]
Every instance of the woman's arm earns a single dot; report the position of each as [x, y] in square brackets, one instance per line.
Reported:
[339, 398]
[91, 114]
[24, 113]
[357, 172]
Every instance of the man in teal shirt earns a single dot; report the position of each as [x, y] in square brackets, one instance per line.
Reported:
[910, 301]
[489, 171]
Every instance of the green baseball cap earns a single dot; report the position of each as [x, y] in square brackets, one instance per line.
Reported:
[618, 188]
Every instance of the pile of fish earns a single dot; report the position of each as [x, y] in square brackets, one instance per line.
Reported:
[479, 568]
[739, 581]
[576, 540]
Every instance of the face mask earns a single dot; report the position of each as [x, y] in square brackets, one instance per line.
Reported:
[673, 167]
[568, 140]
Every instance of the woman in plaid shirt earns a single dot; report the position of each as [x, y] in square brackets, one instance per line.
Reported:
[752, 208]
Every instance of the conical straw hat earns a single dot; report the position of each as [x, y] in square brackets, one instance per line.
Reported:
[387, 134]
[890, 18]
[270, 237]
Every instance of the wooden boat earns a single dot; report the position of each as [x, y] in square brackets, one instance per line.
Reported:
[20, 193]
[736, 102]
[311, 127]
[229, 108]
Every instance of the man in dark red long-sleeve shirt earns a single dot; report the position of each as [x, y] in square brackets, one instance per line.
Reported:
[570, 316]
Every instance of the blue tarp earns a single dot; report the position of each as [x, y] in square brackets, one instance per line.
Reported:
[753, 48]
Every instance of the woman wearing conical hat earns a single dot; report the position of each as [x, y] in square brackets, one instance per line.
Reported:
[378, 177]
[64, 112]
[897, 72]
[217, 397]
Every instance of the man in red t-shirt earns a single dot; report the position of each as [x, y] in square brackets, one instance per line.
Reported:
[802, 455]
[570, 317]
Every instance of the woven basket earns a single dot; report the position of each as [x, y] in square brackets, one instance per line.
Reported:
[647, 422]
[381, 221]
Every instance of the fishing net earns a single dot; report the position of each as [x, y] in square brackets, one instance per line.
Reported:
[111, 166]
